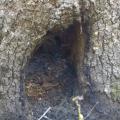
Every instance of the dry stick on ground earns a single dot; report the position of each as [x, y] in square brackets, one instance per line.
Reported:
[89, 113]
[44, 114]
[47, 118]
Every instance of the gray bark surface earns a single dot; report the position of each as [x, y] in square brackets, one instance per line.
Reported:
[22, 25]
[104, 57]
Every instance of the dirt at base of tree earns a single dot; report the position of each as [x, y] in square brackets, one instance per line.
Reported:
[51, 82]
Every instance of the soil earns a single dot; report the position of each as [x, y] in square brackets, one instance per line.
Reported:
[51, 81]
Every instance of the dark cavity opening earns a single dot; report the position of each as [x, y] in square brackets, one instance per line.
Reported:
[50, 74]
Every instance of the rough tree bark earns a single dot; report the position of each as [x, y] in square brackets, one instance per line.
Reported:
[23, 24]
[104, 55]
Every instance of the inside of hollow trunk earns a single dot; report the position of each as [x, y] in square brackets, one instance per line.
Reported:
[51, 72]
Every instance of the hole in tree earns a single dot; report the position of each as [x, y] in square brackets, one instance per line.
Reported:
[50, 74]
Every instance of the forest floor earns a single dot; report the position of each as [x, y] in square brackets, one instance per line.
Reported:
[51, 82]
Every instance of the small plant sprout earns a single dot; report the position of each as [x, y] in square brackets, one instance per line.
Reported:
[77, 100]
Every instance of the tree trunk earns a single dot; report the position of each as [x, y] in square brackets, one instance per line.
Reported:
[24, 23]
[103, 58]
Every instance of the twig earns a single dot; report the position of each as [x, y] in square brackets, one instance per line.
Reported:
[47, 118]
[89, 113]
[44, 114]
